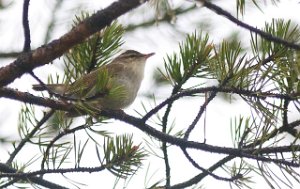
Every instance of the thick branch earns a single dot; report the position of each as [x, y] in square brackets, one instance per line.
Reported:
[47, 53]
[31, 99]
[140, 124]
[246, 153]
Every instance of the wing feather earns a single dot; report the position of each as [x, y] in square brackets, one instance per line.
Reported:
[95, 84]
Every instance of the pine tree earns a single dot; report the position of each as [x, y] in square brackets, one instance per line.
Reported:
[261, 72]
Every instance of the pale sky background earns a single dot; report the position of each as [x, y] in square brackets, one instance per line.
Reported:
[161, 40]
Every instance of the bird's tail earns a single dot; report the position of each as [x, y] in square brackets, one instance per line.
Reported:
[57, 88]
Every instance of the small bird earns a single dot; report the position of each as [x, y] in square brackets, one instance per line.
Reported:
[123, 75]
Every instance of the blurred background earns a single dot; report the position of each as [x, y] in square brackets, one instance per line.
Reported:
[158, 26]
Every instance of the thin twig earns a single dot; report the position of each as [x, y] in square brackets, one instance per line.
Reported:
[203, 107]
[164, 144]
[51, 24]
[246, 153]
[9, 183]
[166, 18]
[29, 136]
[62, 105]
[195, 164]
[292, 131]
[60, 135]
[49, 171]
[273, 133]
[26, 27]
[9, 54]
[200, 112]
[263, 34]
[243, 92]
[40, 181]
[202, 175]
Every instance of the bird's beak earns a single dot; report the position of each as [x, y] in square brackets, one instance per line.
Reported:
[148, 55]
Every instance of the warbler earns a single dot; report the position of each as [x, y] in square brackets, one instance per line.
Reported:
[123, 75]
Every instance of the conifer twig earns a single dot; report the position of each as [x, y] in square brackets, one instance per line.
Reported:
[263, 34]
[29, 136]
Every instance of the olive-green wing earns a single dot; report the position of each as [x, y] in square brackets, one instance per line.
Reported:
[95, 84]
[84, 85]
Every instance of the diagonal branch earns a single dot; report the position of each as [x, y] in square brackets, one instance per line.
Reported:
[273, 133]
[47, 53]
[195, 164]
[263, 34]
[243, 153]
[199, 114]
[202, 175]
[56, 138]
[29, 136]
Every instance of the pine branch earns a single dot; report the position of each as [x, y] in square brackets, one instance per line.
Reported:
[56, 138]
[246, 153]
[40, 181]
[61, 105]
[195, 164]
[138, 123]
[196, 179]
[263, 34]
[47, 53]
[31, 99]
[200, 112]
[241, 92]
[32, 174]
[164, 144]
[29, 136]
[274, 133]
